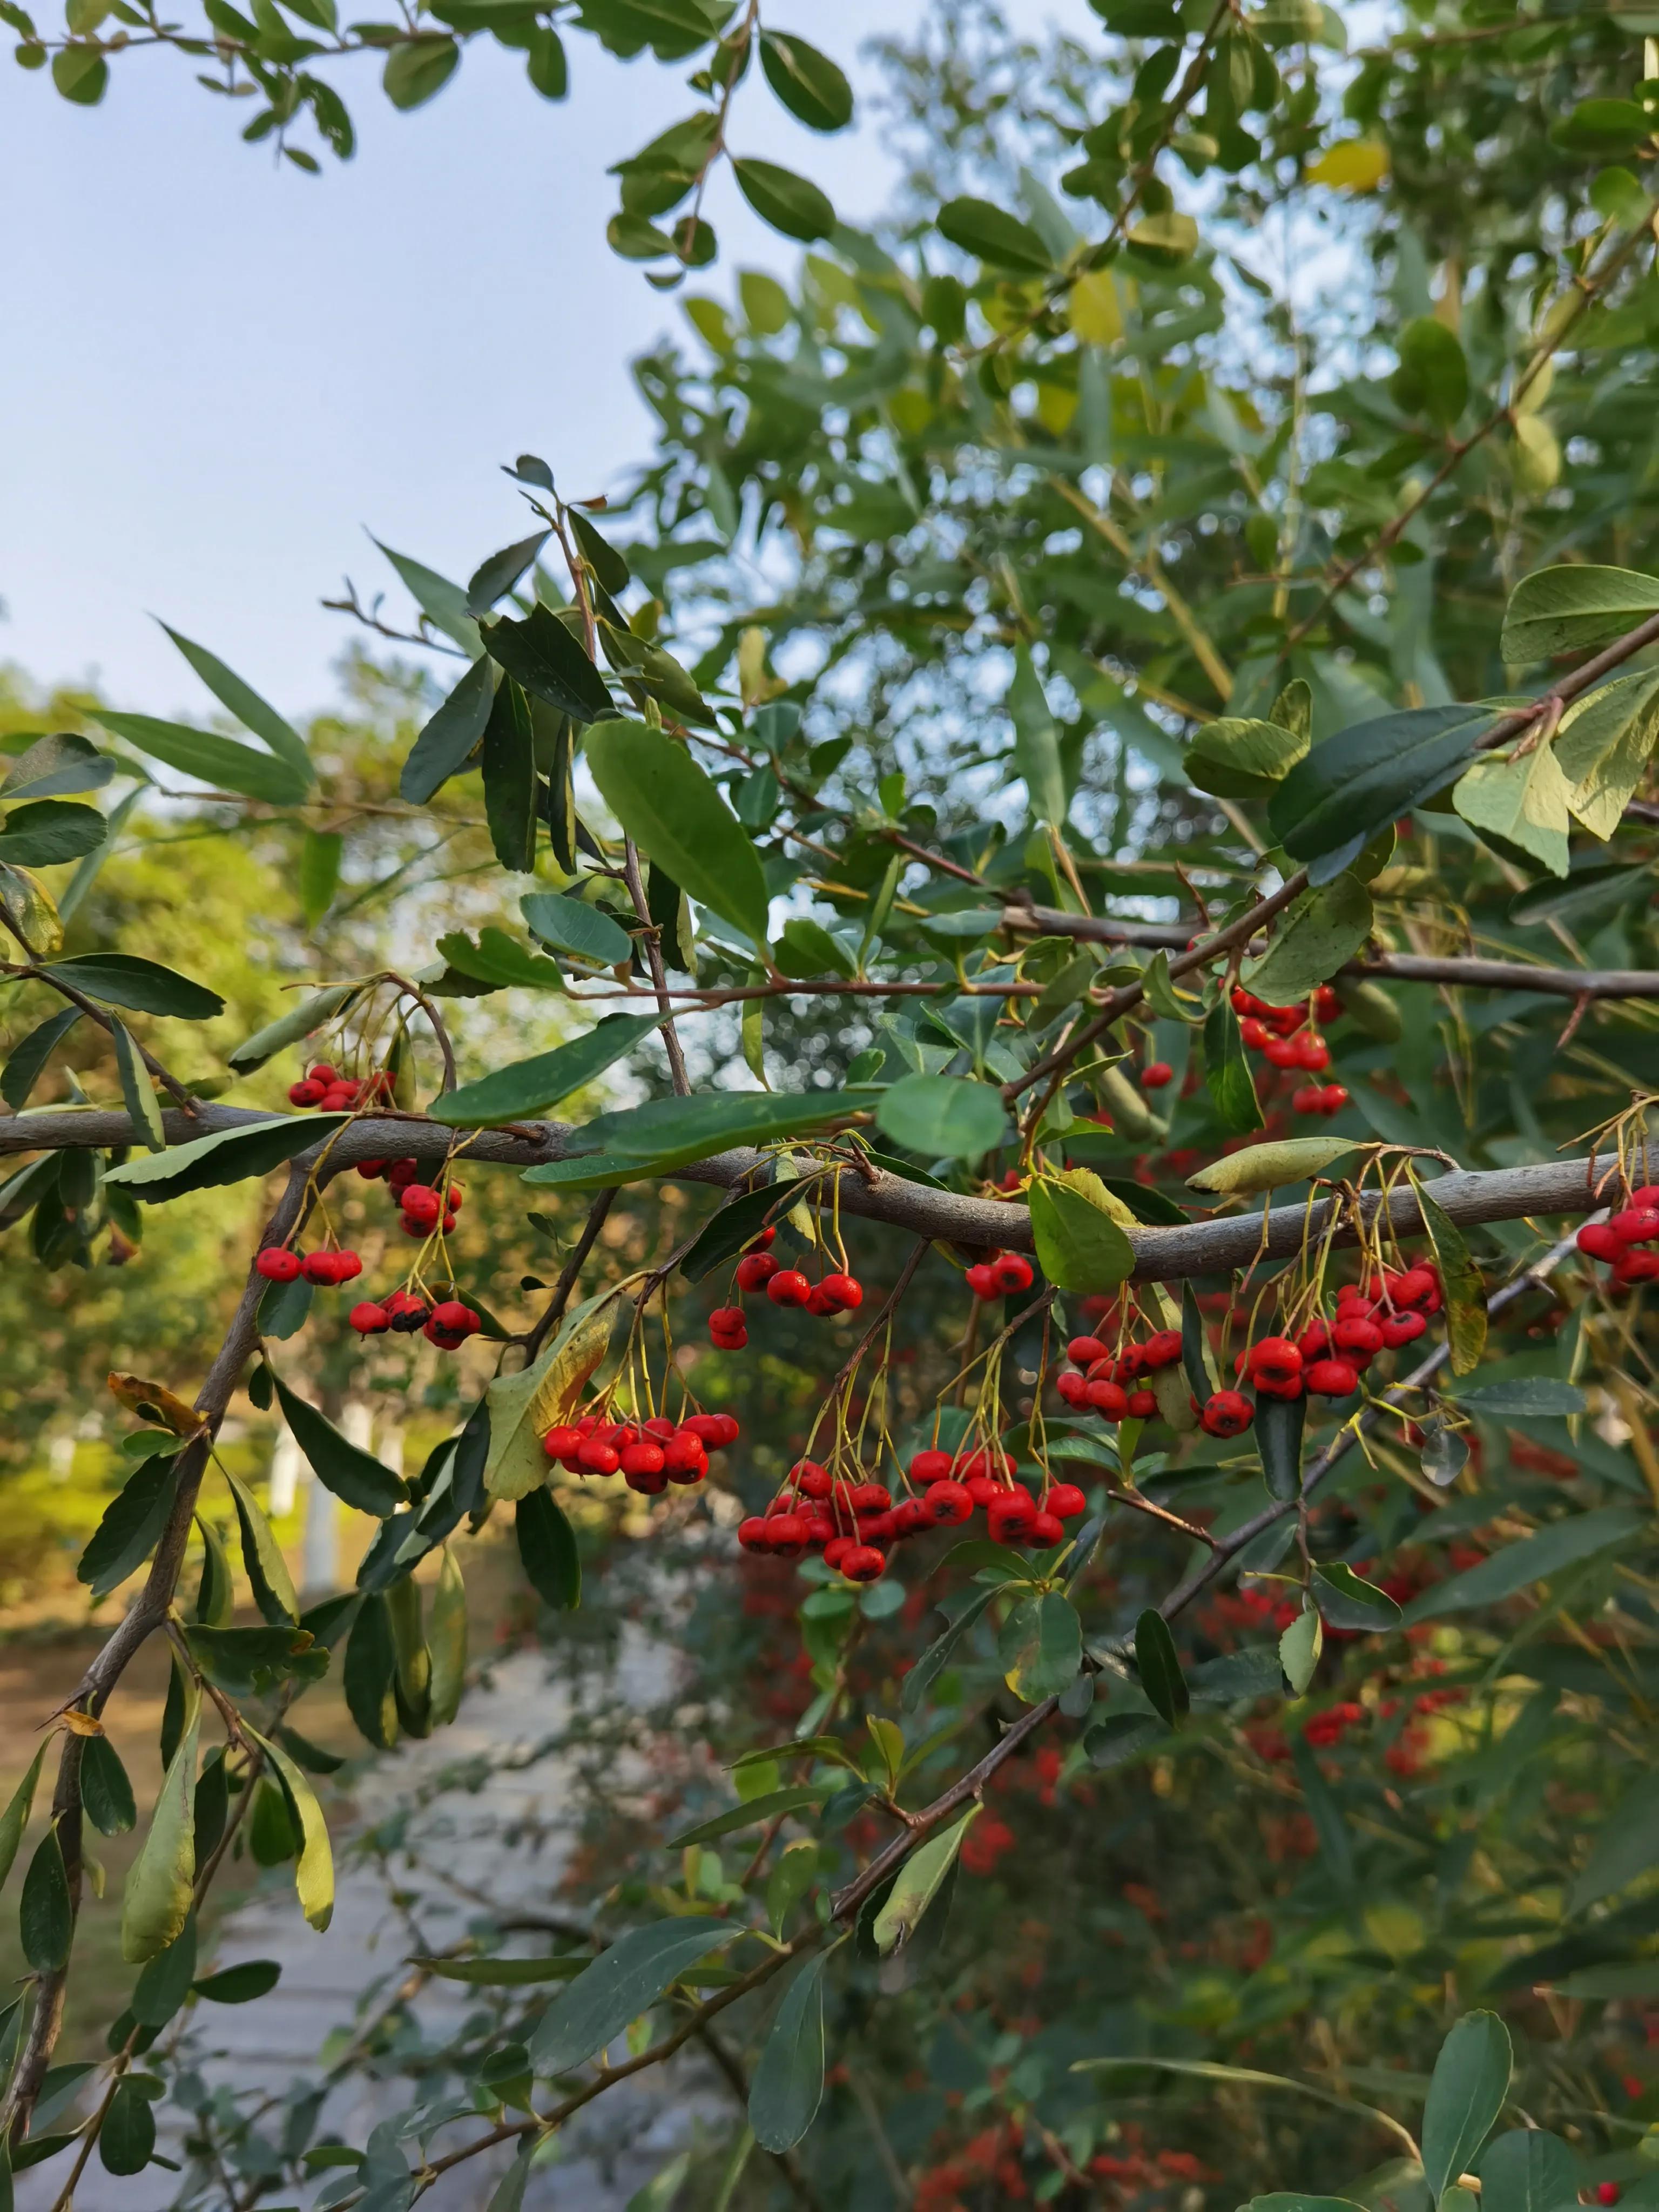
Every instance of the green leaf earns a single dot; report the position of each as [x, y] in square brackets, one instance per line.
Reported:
[301, 1020]
[1227, 1071]
[1041, 1647]
[677, 817]
[1561, 1544]
[130, 1527]
[1159, 1666]
[447, 1639]
[1167, 239]
[601, 556]
[1314, 936]
[1300, 1647]
[1236, 758]
[621, 1983]
[981, 226]
[313, 1875]
[1605, 743]
[568, 924]
[1626, 1844]
[27, 911]
[1346, 1599]
[320, 873]
[738, 1222]
[920, 1879]
[788, 2082]
[939, 1653]
[1523, 801]
[164, 1984]
[1433, 376]
[1270, 1167]
[253, 712]
[541, 653]
[443, 604]
[506, 1973]
[1195, 1346]
[1079, 1247]
[105, 1791]
[547, 1550]
[494, 577]
[248, 1662]
[772, 1804]
[223, 763]
[539, 1395]
[158, 1895]
[1278, 1425]
[366, 1676]
[15, 1818]
[127, 2138]
[500, 962]
[950, 1116]
[49, 831]
[790, 204]
[241, 1984]
[1036, 742]
[1465, 1293]
[45, 1917]
[1557, 610]
[1524, 1397]
[1466, 2092]
[224, 1156]
[28, 1059]
[354, 1475]
[528, 1087]
[509, 763]
[670, 1133]
[812, 86]
[262, 1558]
[138, 1092]
[417, 69]
[145, 987]
[1601, 129]
[806, 948]
[53, 765]
[1370, 774]
[1528, 2170]
[449, 740]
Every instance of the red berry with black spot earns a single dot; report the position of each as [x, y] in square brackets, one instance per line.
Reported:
[369, 1318]
[981, 1282]
[1011, 1272]
[930, 1465]
[278, 1265]
[862, 1563]
[1064, 1500]
[845, 1292]
[755, 1270]
[789, 1287]
[948, 1504]
[306, 1092]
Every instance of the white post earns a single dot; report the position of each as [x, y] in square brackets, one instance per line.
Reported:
[287, 1465]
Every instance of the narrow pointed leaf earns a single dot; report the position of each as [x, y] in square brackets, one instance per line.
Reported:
[262, 1558]
[137, 1090]
[158, 1898]
[680, 821]
[449, 740]
[547, 1550]
[787, 2087]
[352, 1474]
[253, 712]
[620, 1983]
[1466, 2092]
[313, 1874]
[536, 1085]
[918, 1884]
[221, 763]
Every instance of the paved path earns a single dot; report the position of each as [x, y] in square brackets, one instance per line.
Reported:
[500, 1839]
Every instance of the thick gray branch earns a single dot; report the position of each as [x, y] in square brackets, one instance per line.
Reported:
[1201, 1248]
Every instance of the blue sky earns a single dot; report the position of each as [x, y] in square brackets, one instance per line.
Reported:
[222, 372]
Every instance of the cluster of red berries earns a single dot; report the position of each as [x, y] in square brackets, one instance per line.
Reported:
[324, 1087]
[448, 1324]
[1005, 1275]
[1283, 1037]
[854, 1524]
[1619, 1240]
[1111, 1383]
[424, 1207]
[648, 1455]
[325, 1269]
[835, 1294]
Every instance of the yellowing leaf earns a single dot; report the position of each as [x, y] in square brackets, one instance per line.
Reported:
[313, 1872]
[1093, 307]
[1523, 800]
[1266, 1167]
[1603, 748]
[1358, 165]
[540, 1396]
[157, 1901]
[152, 1403]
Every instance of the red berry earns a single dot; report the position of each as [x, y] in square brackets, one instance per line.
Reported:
[1312, 1053]
[1336, 1096]
[324, 1072]
[561, 1443]
[597, 1458]
[1084, 1351]
[845, 1292]
[820, 1304]
[368, 1319]
[755, 1270]
[860, 1563]
[1012, 1517]
[754, 1534]
[734, 1341]
[1163, 1349]
[947, 1503]
[446, 1340]
[931, 1465]
[1327, 1004]
[812, 1480]
[1636, 1267]
[725, 1430]
[911, 1516]
[347, 1265]
[645, 1481]
[1308, 1098]
[1107, 1397]
[1064, 1500]
[457, 1318]
[787, 1535]
[1048, 1529]
[306, 1093]
[789, 1287]
[760, 1239]
[1143, 1406]
[1402, 1328]
[371, 1170]
[453, 1198]
[684, 1459]
[981, 1282]
[1253, 1034]
[1226, 1413]
[1596, 1239]
[834, 1551]
[1331, 1378]
[278, 1265]
[727, 1321]
[1155, 1074]
[1314, 1341]
[402, 1173]
[407, 1313]
[1273, 1361]
[319, 1268]
[869, 1498]
[1354, 1334]
[1246, 1002]
[421, 1205]
[1011, 1272]
[1072, 1386]
[1636, 1224]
